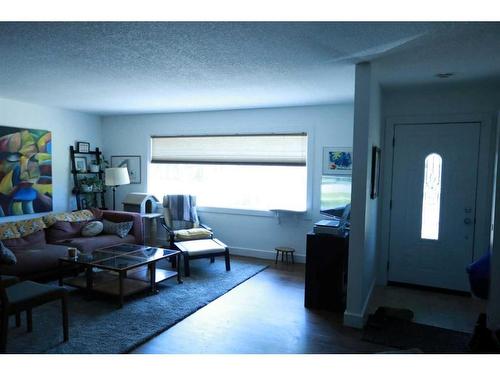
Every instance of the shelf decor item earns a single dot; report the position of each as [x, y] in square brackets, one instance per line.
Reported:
[83, 147]
[88, 186]
[26, 171]
[81, 164]
[337, 160]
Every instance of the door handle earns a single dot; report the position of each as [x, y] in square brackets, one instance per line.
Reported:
[467, 221]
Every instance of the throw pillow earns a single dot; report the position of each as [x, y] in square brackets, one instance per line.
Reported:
[92, 229]
[6, 255]
[120, 229]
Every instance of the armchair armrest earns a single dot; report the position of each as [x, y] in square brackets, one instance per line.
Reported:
[121, 216]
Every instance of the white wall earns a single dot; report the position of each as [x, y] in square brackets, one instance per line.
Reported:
[328, 125]
[364, 212]
[66, 127]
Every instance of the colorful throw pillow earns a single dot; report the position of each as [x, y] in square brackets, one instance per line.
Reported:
[92, 229]
[120, 229]
[9, 231]
[27, 227]
[6, 255]
[82, 215]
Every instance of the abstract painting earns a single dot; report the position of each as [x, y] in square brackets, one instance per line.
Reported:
[337, 161]
[132, 163]
[25, 171]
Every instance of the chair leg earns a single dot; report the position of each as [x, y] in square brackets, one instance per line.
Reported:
[228, 261]
[29, 320]
[212, 259]
[293, 260]
[18, 319]
[64, 303]
[3, 332]
[277, 255]
[187, 271]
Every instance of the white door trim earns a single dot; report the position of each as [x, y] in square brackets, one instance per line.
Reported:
[484, 185]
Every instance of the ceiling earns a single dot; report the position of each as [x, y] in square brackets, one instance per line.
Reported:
[151, 67]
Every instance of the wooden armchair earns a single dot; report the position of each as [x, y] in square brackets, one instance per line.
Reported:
[16, 297]
[180, 219]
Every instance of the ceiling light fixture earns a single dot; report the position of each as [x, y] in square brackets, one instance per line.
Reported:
[445, 75]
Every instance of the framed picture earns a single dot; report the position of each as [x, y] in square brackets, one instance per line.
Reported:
[337, 161]
[375, 177]
[26, 171]
[82, 147]
[81, 164]
[132, 163]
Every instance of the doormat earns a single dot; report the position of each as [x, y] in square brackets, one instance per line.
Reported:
[393, 331]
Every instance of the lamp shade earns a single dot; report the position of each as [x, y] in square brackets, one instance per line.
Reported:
[116, 176]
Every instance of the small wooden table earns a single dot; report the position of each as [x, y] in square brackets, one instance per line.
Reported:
[122, 270]
[152, 219]
[284, 253]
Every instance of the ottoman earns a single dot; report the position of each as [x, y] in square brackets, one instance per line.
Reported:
[206, 248]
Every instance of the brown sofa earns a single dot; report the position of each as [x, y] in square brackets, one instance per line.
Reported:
[38, 253]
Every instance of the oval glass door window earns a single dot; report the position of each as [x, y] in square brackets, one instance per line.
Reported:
[431, 201]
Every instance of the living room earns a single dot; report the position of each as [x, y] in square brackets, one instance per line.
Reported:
[126, 87]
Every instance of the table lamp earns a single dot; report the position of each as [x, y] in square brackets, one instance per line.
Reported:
[115, 177]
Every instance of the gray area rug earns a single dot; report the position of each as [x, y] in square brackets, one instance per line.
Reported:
[99, 326]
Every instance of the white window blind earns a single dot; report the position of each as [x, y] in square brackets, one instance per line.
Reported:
[260, 149]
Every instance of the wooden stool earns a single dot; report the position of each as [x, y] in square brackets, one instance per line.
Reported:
[284, 253]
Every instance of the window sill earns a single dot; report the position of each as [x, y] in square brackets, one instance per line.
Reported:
[261, 213]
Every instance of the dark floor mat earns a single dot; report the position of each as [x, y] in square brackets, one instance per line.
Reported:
[404, 334]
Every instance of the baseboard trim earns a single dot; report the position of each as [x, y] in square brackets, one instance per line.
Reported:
[262, 254]
[358, 320]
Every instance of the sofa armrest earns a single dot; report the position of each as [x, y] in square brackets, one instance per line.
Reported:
[121, 216]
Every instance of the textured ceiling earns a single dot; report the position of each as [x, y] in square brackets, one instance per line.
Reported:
[132, 67]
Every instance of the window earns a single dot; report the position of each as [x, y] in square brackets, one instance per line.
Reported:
[431, 200]
[253, 172]
[335, 191]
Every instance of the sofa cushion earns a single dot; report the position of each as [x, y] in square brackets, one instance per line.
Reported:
[30, 226]
[62, 230]
[120, 229]
[192, 234]
[34, 239]
[9, 231]
[92, 229]
[77, 216]
[6, 255]
[89, 244]
[36, 260]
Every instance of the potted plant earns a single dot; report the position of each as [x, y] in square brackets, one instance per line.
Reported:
[91, 184]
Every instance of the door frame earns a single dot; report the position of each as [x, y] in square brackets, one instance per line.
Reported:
[484, 193]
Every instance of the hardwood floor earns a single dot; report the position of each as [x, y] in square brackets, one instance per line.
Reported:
[265, 314]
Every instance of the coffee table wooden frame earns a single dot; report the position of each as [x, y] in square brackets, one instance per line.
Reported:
[131, 280]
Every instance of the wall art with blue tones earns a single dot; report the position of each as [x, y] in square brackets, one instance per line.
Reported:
[25, 171]
[337, 161]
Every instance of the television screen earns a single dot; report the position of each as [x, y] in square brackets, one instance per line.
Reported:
[335, 194]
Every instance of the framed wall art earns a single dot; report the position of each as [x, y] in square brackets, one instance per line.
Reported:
[132, 163]
[337, 161]
[375, 176]
[25, 171]
[81, 164]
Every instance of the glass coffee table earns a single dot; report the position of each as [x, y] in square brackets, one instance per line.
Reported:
[121, 270]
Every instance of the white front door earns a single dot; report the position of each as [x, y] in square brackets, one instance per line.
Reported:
[433, 204]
